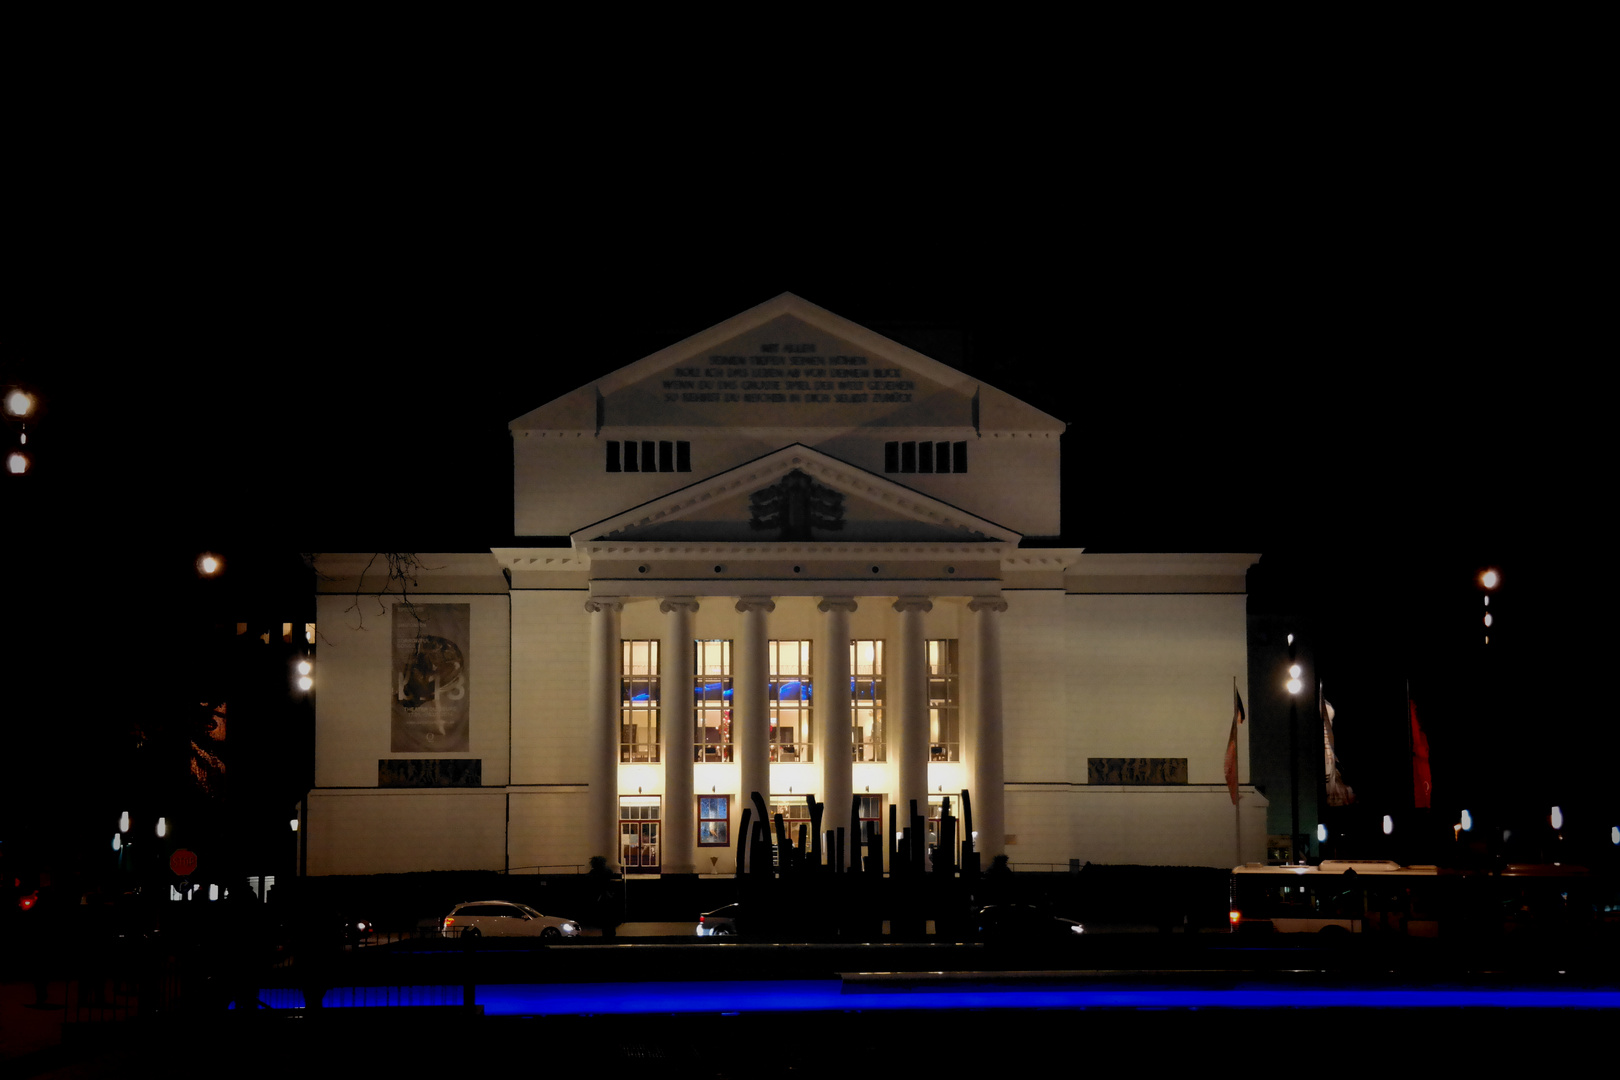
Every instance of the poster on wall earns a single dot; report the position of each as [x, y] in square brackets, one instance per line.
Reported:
[430, 678]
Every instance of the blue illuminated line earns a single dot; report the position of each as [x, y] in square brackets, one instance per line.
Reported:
[827, 995]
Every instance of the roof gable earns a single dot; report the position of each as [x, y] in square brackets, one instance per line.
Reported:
[787, 364]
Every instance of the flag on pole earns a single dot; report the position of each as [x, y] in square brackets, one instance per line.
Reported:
[1338, 792]
[1422, 782]
[1231, 744]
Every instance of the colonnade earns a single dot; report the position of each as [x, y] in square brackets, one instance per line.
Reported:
[906, 710]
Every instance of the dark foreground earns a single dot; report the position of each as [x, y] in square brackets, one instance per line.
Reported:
[730, 1009]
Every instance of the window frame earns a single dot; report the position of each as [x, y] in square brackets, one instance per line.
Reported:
[949, 707]
[876, 734]
[629, 748]
[723, 818]
[802, 747]
[721, 751]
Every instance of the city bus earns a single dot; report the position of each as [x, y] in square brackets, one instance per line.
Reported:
[1369, 896]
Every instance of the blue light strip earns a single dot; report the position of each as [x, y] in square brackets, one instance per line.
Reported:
[595, 999]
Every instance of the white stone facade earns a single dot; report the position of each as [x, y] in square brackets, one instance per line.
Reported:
[1045, 659]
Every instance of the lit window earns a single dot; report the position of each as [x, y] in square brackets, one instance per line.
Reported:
[638, 704]
[714, 821]
[936, 805]
[711, 690]
[872, 821]
[795, 814]
[866, 677]
[790, 701]
[638, 833]
[944, 701]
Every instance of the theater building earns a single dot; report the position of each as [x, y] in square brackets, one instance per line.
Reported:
[785, 555]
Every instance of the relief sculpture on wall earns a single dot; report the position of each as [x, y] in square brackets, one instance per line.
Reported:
[431, 687]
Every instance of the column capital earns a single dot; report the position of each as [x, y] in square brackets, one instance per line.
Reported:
[755, 603]
[687, 604]
[913, 603]
[597, 604]
[987, 603]
[837, 603]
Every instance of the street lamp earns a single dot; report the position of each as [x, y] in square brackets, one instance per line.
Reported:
[1294, 685]
[19, 402]
[1489, 580]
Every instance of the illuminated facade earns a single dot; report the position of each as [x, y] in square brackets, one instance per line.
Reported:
[786, 555]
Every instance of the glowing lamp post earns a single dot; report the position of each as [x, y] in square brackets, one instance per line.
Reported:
[1489, 580]
[18, 405]
[1294, 685]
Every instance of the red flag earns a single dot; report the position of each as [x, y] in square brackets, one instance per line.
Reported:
[1339, 793]
[1231, 745]
[1422, 782]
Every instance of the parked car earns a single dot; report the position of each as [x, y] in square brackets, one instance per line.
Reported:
[503, 918]
[1021, 922]
[721, 922]
[357, 931]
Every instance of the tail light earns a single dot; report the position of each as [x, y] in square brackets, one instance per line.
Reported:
[703, 919]
[1234, 917]
[449, 921]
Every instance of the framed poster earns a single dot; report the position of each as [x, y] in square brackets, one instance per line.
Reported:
[431, 682]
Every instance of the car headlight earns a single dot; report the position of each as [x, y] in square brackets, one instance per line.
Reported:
[569, 928]
[1077, 929]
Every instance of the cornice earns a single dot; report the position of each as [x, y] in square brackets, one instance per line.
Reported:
[754, 551]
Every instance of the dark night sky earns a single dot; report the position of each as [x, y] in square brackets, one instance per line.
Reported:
[1352, 377]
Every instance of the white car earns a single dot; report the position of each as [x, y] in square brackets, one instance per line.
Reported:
[502, 918]
[721, 922]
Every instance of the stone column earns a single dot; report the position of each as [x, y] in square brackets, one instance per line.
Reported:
[834, 745]
[908, 726]
[750, 706]
[603, 692]
[677, 733]
[989, 788]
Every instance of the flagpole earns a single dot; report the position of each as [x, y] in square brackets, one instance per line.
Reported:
[1237, 815]
[1411, 747]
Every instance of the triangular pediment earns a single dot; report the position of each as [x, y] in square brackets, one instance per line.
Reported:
[732, 507]
[787, 364]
